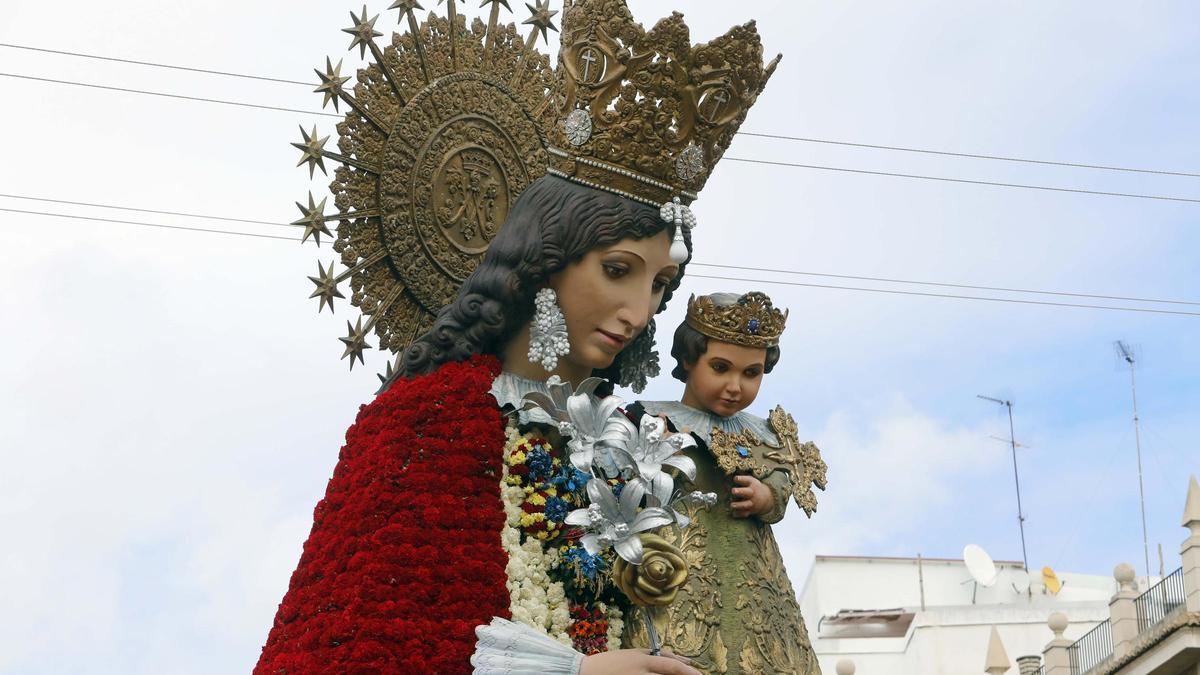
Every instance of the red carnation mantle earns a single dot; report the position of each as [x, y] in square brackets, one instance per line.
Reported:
[404, 559]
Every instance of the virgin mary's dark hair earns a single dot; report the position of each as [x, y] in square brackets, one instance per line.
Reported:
[554, 222]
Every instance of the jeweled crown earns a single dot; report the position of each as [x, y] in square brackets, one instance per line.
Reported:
[751, 321]
[647, 114]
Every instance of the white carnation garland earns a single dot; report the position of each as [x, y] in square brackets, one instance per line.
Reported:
[534, 599]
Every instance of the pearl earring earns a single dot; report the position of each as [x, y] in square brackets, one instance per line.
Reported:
[548, 331]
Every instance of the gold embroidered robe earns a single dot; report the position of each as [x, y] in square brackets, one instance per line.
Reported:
[737, 613]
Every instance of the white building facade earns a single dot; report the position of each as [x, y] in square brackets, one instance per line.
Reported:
[910, 616]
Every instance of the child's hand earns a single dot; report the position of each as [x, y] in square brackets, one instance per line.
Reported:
[751, 497]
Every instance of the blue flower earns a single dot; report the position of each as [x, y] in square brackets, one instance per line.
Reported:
[556, 509]
[570, 479]
[539, 463]
[589, 565]
[618, 489]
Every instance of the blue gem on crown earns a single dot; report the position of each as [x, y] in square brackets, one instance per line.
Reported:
[752, 326]
[742, 452]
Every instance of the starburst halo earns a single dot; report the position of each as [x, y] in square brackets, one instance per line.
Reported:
[382, 239]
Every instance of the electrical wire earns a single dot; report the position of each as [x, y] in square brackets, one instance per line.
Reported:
[697, 276]
[946, 285]
[165, 227]
[153, 64]
[971, 155]
[843, 169]
[948, 295]
[873, 146]
[692, 264]
[946, 179]
[166, 95]
[141, 210]
[760, 135]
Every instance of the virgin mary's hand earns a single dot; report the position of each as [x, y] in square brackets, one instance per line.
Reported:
[636, 662]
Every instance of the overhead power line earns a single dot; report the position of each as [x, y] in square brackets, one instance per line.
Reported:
[948, 295]
[153, 64]
[968, 181]
[770, 270]
[826, 141]
[142, 210]
[166, 95]
[947, 285]
[697, 276]
[971, 155]
[944, 179]
[158, 225]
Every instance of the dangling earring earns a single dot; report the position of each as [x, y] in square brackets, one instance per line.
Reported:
[548, 331]
[639, 362]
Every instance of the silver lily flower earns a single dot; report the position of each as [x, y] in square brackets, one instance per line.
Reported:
[593, 426]
[609, 522]
[650, 452]
[704, 500]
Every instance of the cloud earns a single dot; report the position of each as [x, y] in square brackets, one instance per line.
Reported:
[893, 474]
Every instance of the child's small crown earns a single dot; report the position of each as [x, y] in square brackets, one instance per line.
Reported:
[752, 321]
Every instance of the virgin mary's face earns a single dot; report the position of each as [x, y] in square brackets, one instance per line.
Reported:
[610, 295]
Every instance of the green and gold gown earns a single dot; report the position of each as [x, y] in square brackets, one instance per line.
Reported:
[737, 613]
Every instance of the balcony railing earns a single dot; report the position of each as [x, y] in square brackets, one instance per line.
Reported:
[1091, 650]
[1160, 601]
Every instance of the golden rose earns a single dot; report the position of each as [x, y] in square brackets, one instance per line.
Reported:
[658, 578]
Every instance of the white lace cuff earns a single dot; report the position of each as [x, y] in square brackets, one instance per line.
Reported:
[507, 648]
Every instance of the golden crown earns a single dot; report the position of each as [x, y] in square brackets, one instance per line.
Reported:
[647, 114]
[751, 321]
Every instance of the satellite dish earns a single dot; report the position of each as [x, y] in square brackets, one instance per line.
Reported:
[1051, 580]
[980, 565]
[1020, 581]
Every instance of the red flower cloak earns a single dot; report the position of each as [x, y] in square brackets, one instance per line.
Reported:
[404, 558]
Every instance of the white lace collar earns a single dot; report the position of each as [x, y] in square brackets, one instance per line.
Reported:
[701, 422]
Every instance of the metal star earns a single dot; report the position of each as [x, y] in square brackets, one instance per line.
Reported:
[541, 18]
[327, 288]
[356, 342]
[331, 83]
[388, 372]
[406, 6]
[363, 31]
[313, 220]
[312, 147]
[496, 2]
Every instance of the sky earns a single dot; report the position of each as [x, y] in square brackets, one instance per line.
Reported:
[171, 403]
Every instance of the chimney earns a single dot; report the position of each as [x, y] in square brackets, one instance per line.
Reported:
[1029, 665]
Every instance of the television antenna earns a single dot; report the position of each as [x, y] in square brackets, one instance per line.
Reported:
[1126, 353]
[1012, 439]
[1006, 441]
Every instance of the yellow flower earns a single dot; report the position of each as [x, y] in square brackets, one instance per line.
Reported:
[536, 499]
[528, 519]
